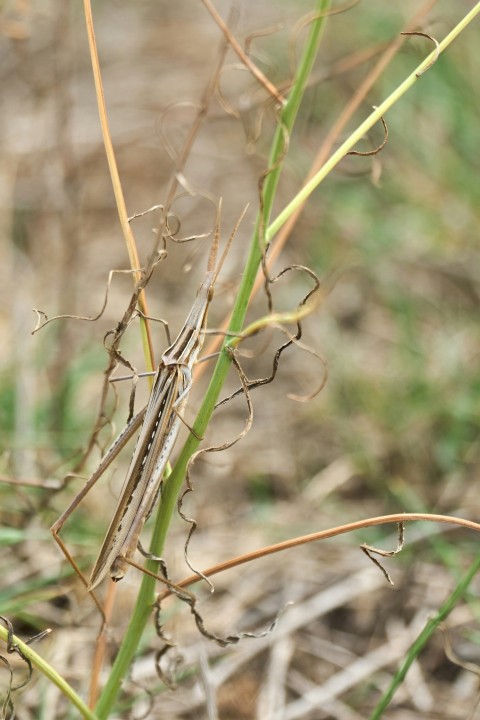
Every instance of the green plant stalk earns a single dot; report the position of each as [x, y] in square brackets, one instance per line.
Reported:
[50, 673]
[367, 124]
[424, 637]
[141, 614]
[287, 119]
[173, 484]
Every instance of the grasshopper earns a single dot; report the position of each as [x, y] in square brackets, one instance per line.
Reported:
[160, 423]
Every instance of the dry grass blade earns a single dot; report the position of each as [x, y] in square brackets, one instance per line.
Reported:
[305, 307]
[324, 535]
[256, 72]
[376, 150]
[43, 319]
[369, 551]
[213, 448]
[437, 48]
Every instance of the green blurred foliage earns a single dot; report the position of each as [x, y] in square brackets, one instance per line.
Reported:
[404, 383]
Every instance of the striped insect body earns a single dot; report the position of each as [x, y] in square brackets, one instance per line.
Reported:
[158, 433]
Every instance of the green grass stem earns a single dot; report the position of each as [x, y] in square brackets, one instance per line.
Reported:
[47, 670]
[368, 123]
[427, 632]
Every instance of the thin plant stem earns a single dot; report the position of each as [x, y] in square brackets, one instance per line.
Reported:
[244, 58]
[131, 246]
[427, 632]
[368, 123]
[138, 621]
[323, 535]
[47, 670]
[117, 186]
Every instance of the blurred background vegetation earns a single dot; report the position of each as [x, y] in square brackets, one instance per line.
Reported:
[396, 427]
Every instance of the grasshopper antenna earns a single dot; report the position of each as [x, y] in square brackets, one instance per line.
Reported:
[229, 242]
